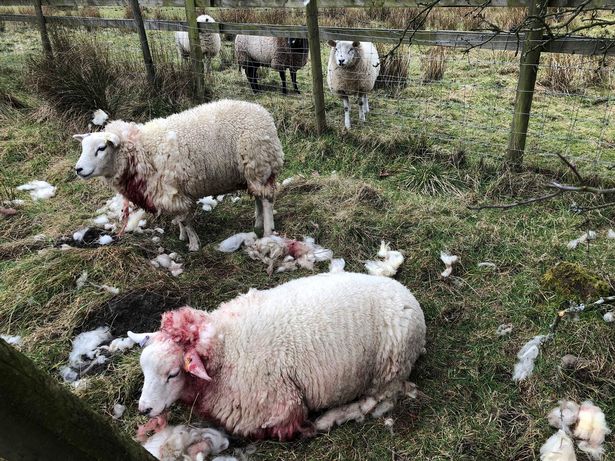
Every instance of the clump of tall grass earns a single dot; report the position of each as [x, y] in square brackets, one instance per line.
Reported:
[393, 67]
[433, 64]
[85, 74]
[562, 73]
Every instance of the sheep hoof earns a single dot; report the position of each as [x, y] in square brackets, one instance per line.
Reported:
[193, 246]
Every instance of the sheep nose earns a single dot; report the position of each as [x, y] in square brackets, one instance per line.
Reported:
[146, 411]
[78, 170]
[341, 61]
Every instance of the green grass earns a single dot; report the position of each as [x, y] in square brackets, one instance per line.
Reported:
[400, 178]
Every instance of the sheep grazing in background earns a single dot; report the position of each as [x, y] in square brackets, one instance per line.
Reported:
[279, 53]
[261, 362]
[165, 165]
[210, 41]
[353, 69]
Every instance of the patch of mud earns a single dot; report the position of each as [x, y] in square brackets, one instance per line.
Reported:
[138, 311]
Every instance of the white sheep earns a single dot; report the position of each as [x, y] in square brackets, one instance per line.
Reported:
[279, 53]
[166, 164]
[210, 41]
[352, 71]
[261, 362]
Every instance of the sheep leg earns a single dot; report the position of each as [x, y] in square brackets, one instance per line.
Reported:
[293, 78]
[182, 231]
[354, 411]
[258, 223]
[361, 112]
[252, 77]
[268, 225]
[194, 243]
[346, 112]
[365, 104]
[283, 79]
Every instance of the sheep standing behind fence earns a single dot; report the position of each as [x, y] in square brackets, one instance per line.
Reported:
[210, 42]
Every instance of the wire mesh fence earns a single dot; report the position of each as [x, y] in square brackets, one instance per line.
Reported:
[459, 100]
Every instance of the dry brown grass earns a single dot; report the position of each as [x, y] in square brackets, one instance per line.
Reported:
[89, 12]
[433, 64]
[393, 68]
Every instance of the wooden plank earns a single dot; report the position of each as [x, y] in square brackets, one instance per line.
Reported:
[455, 39]
[311, 13]
[147, 55]
[528, 70]
[42, 27]
[40, 419]
[602, 4]
[196, 53]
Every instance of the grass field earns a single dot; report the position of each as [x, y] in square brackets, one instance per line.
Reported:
[426, 153]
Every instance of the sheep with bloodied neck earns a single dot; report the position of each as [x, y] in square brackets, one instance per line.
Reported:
[260, 363]
[166, 164]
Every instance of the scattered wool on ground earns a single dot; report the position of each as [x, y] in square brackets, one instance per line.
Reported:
[504, 329]
[234, 242]
[12, 340]
[337, 265]
[170, 443]
[610, 234]
[111, 216]
[609, 317]
[448, 261]
[564, 416]
[488, 264]
[591, 429]
[168, 261]
[99, 117]
[558, 447]
[288, 181]
[15, 203]
[590, 235]
[527, 356]
[207, 203]
[105, 239]
[39, 190]
[388, 264]
[118, 410]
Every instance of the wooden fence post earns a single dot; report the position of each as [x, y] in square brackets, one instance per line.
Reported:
[311, 11]
[39, 419]
[196, 54]
[147, 55]
[42, 26]
[530, 58]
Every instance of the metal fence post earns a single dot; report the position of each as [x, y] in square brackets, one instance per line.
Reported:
[311, 12]
[529, 61]
[42, 26]
[147, 55]
[39, 419]
[196, 54]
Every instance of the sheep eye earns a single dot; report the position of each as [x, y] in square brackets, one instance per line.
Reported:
[173, 375]
[100, 149]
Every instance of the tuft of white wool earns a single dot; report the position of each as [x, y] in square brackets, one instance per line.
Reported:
[488, 265]
[68, 374]
[288, 181]
[610, 234]
[234, 242]
[83, 278]
[39, 190]
[592, 429]
[564, 416]
[388, 264]
[526, 357]
[120, 345]
[185, 443]
[168, 261]
[356, 76]
[504, 329]
[118, 410]
[78, 235]
[208, 203]
[105, 239]
[558, 447]
[101, 220]
[590, 235]
[13, 340]
[448, 261]
[609, 317]
[15, 203]
[166, 177]
[210, 41]
[110, 216]
[85, 345]
[99, 117]
[337, 265]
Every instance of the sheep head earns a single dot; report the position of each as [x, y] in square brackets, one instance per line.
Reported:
[170, 355]
[97, 151]
[346, 53]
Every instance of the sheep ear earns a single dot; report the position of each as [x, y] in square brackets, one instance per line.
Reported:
[112, 139]
[332, 43]
[142, 339]
[80, 137]
[356, 44]
[194, 365]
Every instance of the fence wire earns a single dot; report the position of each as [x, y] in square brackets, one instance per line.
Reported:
[457, 100]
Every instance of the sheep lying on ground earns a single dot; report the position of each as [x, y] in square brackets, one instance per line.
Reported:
[353, 69]
[210, 42]
[279, 53]
[165, 165]
[260, 362]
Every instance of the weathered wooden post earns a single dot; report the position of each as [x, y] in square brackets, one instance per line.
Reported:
[311, 12]
[147, 55]
[530, 58]
[196, 54]
[41, 420]
[42, 27]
